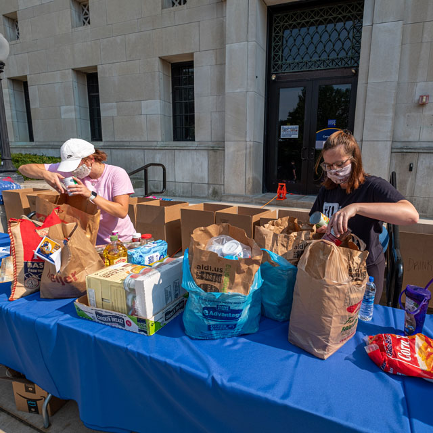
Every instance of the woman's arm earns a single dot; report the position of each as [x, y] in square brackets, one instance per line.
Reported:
[400, 213]
[118, 207]
[38, 171]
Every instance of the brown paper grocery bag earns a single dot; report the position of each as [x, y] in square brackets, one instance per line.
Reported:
[328, 293]
[286, 237]
[79, 259]
[213, 273]
[71, 209]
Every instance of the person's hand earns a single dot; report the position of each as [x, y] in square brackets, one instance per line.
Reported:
[321, 229]
[53, 179]
[340, 220]
[79, 189]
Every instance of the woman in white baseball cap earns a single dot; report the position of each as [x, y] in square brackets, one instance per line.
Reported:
[107, 186]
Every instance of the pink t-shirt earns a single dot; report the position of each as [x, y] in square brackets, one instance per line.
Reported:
[114, 181]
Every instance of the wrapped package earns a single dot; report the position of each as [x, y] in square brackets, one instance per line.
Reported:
[148, 254]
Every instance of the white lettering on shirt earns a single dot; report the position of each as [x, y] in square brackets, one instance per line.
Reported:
[329, 209]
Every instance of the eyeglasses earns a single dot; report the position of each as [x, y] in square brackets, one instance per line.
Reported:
[335, 165]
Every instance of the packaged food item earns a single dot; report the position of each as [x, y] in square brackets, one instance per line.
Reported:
[147, 255]
[146, 238]
[67, 181]
[115, 252]
[417, 300]
[229, 248]
[337, 240]
[402, 355]
[136, 237]
[318, 219]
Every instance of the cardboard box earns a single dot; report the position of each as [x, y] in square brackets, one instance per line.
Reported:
[154, 287]
[417, 254]
[161, 219]
[136, 324]
[132, 209]
[244, 217]
[16, 201]
[31, 197]
[29, 397]
[198, 215]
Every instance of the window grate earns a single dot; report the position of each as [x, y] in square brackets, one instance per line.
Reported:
[85, 14]
[17, 30]
[175, 3]
[28, 110]
[320, 38]
[182, 76]
[94, 107]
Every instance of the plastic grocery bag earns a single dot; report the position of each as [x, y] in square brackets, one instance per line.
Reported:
[212, 315]
[7, 185]
[279, 277]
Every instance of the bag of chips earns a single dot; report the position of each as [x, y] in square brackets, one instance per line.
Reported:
[398, 354]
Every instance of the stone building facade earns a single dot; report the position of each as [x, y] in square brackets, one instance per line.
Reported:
[130, 48]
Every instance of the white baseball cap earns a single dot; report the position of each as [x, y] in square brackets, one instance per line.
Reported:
[72, 151]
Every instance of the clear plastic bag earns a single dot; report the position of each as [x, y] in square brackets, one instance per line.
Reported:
[229, 248]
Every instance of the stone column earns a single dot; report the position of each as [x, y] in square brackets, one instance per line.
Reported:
[244, 96]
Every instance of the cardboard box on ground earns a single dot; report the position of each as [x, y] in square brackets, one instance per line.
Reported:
[416, 247]
[17, 201]
[198, 215]
[161, 219]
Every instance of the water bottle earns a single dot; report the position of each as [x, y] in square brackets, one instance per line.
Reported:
[366, 311]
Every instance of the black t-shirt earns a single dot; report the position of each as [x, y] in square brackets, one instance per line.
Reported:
[373, 190]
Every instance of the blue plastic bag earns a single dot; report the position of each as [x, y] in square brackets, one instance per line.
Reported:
[212, 315]
[277, 289]
[6, 184]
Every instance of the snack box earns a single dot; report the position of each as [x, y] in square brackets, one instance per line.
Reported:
[136, 324]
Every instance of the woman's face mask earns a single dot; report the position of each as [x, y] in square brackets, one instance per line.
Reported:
[82, 171]
[340, 175]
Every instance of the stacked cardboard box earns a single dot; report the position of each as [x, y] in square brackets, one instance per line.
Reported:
[132, 210]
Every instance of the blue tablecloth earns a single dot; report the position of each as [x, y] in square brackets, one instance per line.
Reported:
[167, 382]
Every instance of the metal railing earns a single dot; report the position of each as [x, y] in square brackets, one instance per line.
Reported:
[145, 168]
[395, 268]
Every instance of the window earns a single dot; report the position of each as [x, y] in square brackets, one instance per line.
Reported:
[28, 111]
[12, 30]
[172, 3]
[80, 13]
[94, 107]
[182, 76]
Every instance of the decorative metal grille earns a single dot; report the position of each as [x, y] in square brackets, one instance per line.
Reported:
[175, 3]
[28, 110]
[182, 76]
[85, 14]
[17, 29]
[319, 38]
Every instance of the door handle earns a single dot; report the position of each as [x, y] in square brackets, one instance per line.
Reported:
[303, 153]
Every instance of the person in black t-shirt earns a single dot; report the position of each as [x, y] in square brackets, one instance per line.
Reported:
[353, 199]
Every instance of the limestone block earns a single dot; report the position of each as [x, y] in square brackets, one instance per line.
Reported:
[261, 24]
[68, 112]
[199, 189]
[180, 39]
[364, 59]
[60, 58]
[426, 127]
[161, 156]
[235, 167]
[218, 130]
[17, 65]
[413, 33]
[202, 81]
[379, 111]
[132, 108]
[98, 14]
[183, 189]
[34, 96]
[216, 167]
[130, 128]
[80, 34]
[167, 17]
[152, 106]
[205, 58]
[427, 31]
[406, 93]
[140, 46]
[191, 166]
[167, 128]
[194, 14]
[405, 178]
[407, 122]
[385, 52]
[418, 11]
[86, 54]
[25, 30]
[125, 28]
[126, 68]
[202, 126]
[376, 156]
[424, 178]
[107, 125]
[154, 132]
[236, 21]
[236, 67]
[256, 68]
[205, 104]
[216, 192]
[414, 63]
[118, 11]
[212, 34]
[217, 79]
[430, 63]
[388, 10]
[113, 49]
[367, 19]
[253, 168]
[18, 4]
[127, 88]
[129, 160]
[361, 97]
[100, 32]
[235, 116]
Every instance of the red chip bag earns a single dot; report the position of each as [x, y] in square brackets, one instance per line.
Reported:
[405, 356]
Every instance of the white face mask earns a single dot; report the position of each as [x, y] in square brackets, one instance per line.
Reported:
[82, 171]
[340, 175]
